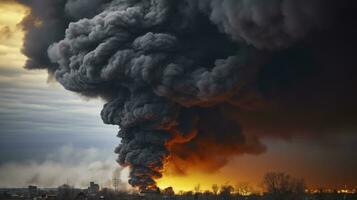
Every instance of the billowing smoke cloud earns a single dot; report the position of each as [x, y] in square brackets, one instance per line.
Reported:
[183, 78]
[46, 24]
[268, 24]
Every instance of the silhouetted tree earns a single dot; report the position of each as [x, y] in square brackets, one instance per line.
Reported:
[244, 189]
[215, 189]
[226, 191]
[280, 186]
[197, 188]
[207, 193]
[168, 191]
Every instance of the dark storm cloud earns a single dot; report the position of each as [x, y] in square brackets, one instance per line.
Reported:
[182, 76]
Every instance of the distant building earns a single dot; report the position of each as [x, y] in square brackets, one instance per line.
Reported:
[64, 188]
[150, 193]
[93, 188]
[32, 191]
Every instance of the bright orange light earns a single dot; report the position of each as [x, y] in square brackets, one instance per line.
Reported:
[190, 181]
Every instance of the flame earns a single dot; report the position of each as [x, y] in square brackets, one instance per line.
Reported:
[189, 181]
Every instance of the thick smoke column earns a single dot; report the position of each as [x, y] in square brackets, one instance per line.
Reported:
[143, 55]
[178, 76]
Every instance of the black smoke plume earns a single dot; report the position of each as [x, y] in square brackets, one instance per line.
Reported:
[192, 83]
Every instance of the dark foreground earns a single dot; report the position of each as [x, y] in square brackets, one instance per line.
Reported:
[111, 195]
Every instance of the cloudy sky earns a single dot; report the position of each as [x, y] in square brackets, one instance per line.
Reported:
[46, 131]
[49, 135]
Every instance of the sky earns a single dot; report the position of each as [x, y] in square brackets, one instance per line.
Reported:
[44, 129]
[49, 136]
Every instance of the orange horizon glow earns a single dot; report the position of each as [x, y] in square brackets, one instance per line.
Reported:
[181, 184]
[188, 183]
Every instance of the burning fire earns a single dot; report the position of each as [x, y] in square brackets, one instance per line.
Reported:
[188, 183]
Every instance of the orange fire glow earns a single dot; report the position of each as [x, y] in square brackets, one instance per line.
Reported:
[189, 182]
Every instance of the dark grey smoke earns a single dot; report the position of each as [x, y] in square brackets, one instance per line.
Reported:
[54, 17]
[152, 62]
[268, 24]
[179, 76]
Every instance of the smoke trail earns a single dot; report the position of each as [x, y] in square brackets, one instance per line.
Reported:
[178, 76]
